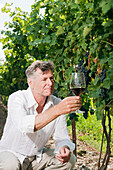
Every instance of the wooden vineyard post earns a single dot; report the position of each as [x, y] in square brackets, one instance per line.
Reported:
[74, 138]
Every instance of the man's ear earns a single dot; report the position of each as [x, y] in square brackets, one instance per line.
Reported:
[29, 81]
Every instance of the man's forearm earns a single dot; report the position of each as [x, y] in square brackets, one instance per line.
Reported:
[48, 116]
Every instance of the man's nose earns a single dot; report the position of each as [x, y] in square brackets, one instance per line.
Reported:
[49, 81]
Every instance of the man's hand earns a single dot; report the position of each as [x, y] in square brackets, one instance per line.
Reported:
[69, 104]
[64, 154]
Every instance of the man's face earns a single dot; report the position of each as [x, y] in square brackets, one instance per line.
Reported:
[43, 83]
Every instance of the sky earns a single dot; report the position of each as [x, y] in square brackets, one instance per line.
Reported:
[25, 5]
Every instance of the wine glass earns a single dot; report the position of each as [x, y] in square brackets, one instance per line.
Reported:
[77, 83]
[77, 86]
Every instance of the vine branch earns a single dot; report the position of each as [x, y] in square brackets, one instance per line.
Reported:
[106, 158]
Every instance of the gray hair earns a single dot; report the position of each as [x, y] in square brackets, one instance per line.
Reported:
[43, 65]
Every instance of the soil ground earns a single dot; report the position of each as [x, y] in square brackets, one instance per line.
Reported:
[87, 157]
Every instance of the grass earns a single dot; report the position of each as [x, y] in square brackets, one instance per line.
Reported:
[90, 130]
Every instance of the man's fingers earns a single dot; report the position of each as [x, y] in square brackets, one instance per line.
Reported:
[62, 159]
[59, 158]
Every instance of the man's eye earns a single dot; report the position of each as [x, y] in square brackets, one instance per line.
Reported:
[43, 79]
[52, 79]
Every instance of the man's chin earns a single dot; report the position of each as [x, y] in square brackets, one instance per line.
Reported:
[48, 93]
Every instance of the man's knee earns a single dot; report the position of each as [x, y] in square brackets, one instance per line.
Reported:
[8, 161]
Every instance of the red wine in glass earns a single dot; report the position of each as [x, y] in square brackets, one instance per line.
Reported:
[78, 91]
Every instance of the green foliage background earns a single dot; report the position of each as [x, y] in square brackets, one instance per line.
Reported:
[90, 131]
[66, 31]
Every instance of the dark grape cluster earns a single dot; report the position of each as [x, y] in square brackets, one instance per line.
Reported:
[103, 75]
[86, 54]
[91, 111]
[85, 112]
[104, 91]
[73, 116]
[93, 74]
[86, 57]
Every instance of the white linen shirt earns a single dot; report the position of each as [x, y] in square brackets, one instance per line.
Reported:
[19, 136]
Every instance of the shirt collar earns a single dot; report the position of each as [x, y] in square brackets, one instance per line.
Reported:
[32, 101]
[50, 100]
[49, 103]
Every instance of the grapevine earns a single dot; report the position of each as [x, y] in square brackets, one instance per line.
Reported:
[82, 67]
[104, 94]
[86, 108]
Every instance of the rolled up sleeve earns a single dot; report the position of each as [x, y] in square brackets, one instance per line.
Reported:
[62, 143]
[28, 124]
[20, 115]
[61, 135]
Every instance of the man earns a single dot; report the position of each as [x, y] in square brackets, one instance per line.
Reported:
[33, 116]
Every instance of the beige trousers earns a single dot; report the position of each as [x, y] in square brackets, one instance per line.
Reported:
[8, 161]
